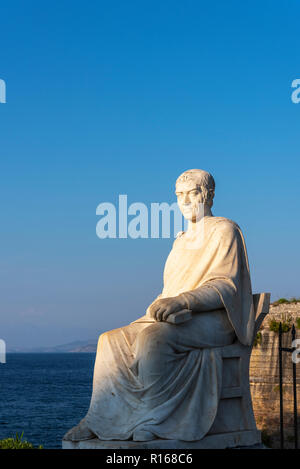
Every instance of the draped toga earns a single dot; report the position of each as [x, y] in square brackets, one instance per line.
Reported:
[165, 378]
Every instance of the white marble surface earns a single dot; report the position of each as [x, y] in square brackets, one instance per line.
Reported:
[166, 379]
[221, 441]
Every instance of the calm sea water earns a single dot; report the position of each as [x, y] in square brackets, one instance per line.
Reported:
[44, 395]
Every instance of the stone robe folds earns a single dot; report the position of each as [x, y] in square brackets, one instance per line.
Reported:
[164, 378]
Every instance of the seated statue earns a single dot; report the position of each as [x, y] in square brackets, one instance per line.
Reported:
[158, 379]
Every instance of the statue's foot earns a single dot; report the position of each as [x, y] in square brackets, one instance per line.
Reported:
[79, 433]
[143, 435]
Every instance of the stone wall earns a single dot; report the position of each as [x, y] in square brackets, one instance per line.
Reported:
[264, 374]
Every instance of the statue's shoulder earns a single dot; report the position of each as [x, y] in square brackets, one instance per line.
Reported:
[224, 226]
[217, 226]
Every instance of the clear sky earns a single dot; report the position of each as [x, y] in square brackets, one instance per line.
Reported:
[120, 97]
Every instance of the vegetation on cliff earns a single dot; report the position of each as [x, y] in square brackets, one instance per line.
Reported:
[17, 443]
[282, 301]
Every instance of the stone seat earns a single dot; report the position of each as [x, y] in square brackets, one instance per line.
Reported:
[235, 412]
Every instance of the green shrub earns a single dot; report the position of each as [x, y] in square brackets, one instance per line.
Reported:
[298, 323]
[294, 300]
[257, 340]
[17, 443]
[285, 324]
[282, 301]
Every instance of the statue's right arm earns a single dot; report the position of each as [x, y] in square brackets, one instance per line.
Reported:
[204, 298]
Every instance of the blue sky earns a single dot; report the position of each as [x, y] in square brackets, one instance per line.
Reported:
[109, 98]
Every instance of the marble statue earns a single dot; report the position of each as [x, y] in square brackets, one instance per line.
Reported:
[158, 377]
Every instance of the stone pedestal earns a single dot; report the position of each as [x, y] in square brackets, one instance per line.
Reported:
[216, 441]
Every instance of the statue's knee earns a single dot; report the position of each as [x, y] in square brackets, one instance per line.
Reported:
[164, 333]
[155, 336]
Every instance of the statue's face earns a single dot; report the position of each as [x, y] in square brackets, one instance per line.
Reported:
[190, 199]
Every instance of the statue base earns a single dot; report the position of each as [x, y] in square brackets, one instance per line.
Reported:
[251, 438]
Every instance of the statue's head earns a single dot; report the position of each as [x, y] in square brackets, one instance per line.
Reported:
[195, 188]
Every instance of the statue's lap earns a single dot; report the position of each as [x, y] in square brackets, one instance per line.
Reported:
[205, 329]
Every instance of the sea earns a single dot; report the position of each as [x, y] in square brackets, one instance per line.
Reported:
[43, 395]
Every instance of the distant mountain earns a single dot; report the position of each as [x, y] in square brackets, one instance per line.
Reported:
[79, 346]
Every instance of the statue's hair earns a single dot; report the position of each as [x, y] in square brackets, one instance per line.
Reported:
[203, 180]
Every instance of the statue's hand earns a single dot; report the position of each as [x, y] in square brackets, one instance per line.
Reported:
[162, 308]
